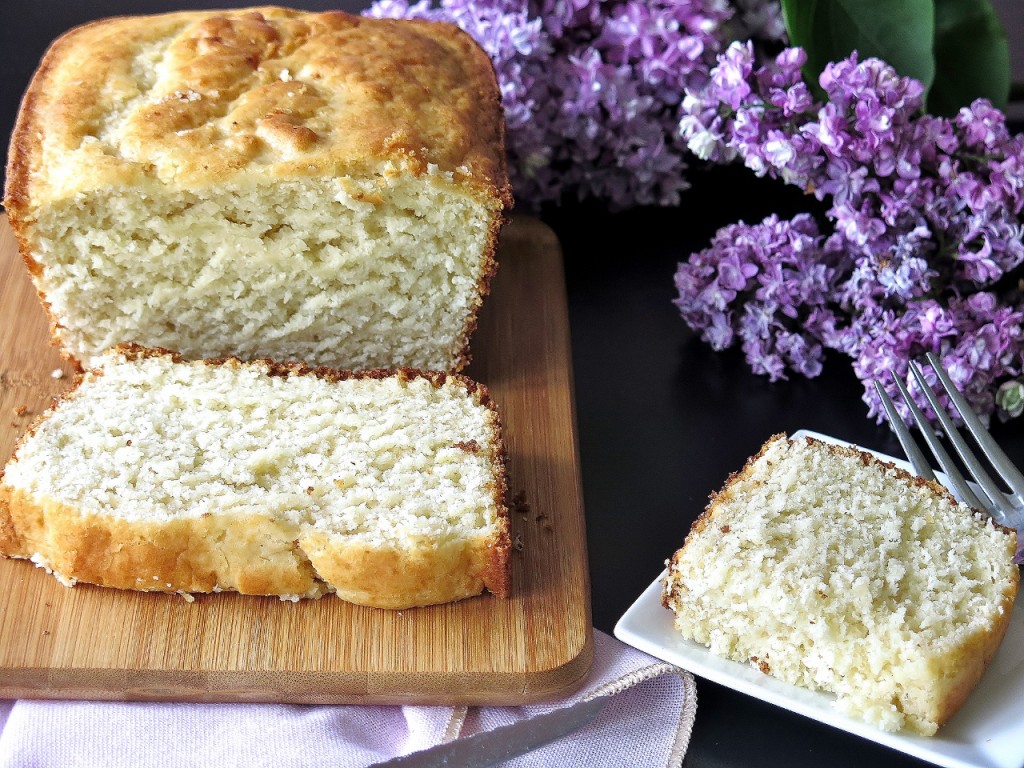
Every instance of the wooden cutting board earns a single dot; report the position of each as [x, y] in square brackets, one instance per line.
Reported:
[90, 642]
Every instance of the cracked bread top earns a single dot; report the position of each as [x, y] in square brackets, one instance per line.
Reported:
[193, 99]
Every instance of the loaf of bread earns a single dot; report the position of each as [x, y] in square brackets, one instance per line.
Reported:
[835, 571]
[312, 187]
[155, 473]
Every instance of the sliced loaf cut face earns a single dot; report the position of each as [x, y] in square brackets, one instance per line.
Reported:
[310, 187]
[834, 571]
[154, 473]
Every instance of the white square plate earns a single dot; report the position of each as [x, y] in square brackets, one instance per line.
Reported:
[987, 732]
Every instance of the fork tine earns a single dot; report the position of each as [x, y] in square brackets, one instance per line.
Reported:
[960, 487]
[913, 451]
[989, 446]
[997, 504]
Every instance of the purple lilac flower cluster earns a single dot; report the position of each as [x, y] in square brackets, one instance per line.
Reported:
[925, 240]
[761, 286]
[591, 88]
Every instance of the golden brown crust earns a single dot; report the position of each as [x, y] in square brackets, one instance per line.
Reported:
[252, 555]
[181, 555]
[389, 577]
[967, 669]
[241, 94]
[257, 554]
[483, 289]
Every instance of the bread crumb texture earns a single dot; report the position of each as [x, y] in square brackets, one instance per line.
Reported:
[314, 187]
[829, 569]
[166, 475]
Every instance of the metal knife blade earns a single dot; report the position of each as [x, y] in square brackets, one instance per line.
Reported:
[505, 742]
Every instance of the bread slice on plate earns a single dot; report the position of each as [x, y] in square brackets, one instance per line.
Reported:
[264, 182]
[386, 488]
[830, 569]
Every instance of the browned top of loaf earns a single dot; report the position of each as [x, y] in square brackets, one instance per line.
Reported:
[195, 98]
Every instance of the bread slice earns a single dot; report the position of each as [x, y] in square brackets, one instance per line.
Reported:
[835, 571]
[311, 187]
[154, 473]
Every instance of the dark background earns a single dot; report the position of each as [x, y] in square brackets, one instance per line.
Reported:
[662, 419]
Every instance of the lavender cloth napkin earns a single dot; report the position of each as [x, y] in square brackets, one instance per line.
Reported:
[647, 722]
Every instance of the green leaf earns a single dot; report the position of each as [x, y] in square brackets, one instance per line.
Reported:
[972, 57]
[900, 32]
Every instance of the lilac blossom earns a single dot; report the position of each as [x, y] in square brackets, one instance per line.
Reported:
[925, 240]
[592, 88]
[757, 286]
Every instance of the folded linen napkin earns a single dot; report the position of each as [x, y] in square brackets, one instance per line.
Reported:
[647, 722]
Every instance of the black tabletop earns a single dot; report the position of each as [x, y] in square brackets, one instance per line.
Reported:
[662, 419]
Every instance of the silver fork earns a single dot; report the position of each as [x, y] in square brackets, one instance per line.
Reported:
[1005, 508]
